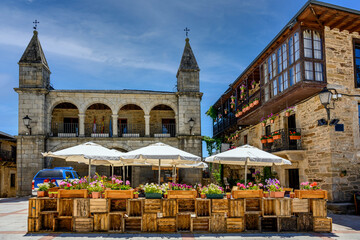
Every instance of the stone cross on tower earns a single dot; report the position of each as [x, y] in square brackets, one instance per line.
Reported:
[187, 31]
[35, 24]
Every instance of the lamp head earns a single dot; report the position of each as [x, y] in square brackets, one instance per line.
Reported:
[27, 121]
[191, 122]
[325, 97]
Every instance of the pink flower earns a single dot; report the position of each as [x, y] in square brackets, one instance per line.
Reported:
[117, 181]
[69, 185]
[127, 182]
[113, 179]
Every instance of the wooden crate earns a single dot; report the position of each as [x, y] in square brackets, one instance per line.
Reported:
[33, 211]
[247, 194]
[166, 224]
[65, 207]
[219, 206]
[98, 205]
[253, 205]
[186, 205]
[47, 220]
[318, 208]
[236, 208]
[200, 224]
[182, 194]
[83, 224]
[152, 205]
[183, 222]
[304, 222]
[117, 205]
[169, 207]
[81, 207]
[218, 222]
[33, 224]
[252, 222]
[47, 204]
[119, 194]
[288, 224]
[322, 224]
[63, 224]
[135, 207]
[310, 194]
[149, 222]
[300, 205]
[235, 224]
[269, 224]
[269, 207]
[82, 193]
[116, 222]
[283, 207]
[101, 222]
[132, 224]
[203, 207]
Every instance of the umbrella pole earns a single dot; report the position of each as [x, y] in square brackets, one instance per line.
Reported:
[89, 169]
[159, 170]
[112, 172]
[123, 170]
[246, 162]
[174, 174]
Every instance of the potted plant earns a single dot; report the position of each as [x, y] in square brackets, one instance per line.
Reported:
[295, 135]
[263, 139]
[243, 95]
[271, 117]
[263, 121]
[214, 191]
[256, 101]
[43, 187]
[273, 185]
[233, 98]
[249, 191]
[265, 194]
[232, 104]
[247, 107]
[253, 84]
[212, 112]
[242, 88]
[270, 139]
[289, 110]
[243, 109]
[177, 190]
[251, 104]
[73, 189]
[96, 188]
[225, 110]
[292, 194]
[120, 190]
[276, 135]
[310, 190]
[152, 191]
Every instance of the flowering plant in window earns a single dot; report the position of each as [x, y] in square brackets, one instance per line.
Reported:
[242, 88]
[253, 84]
[233, 99]
[264, 137]
[294, 133]
[309, 186]
[290, 109]
[273, 185]
[232, 104]
[272, 117]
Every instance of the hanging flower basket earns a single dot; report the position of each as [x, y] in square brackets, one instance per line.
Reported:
[287, 114]
[276, 135]
[272, 120]
[256, 101]
[270, 140]
[251, 105]
[295, 137]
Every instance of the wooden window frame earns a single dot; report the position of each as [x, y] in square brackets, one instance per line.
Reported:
[356, 41]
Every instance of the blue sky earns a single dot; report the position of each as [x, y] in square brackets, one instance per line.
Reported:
[118, 44]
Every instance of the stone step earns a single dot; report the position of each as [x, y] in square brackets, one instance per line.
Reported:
[341, 208]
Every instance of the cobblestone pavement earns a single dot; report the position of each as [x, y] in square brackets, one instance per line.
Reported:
[13, 225]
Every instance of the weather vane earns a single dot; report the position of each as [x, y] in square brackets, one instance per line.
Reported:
[187, 31]
[35, 24]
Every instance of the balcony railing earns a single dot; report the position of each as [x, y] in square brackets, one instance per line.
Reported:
[284, 142]
[7, 156]
[163, 130]
[61, 129]
[131, 130]
[224, 123]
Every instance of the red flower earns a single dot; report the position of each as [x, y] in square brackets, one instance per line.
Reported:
[314, 184]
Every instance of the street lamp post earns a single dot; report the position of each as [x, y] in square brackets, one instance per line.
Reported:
[27, 121]
[191, 124]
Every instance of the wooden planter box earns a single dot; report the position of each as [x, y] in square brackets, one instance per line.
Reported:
[277, 194]
[182, 194]
[82, 193]
[275, 137]
[311, 194]
[247, 194]
[119, 194]
[295, 137]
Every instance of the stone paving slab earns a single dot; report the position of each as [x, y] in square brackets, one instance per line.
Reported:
[13, 226]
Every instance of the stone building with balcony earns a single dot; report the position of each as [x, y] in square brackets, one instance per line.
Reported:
[120, 119]
[7, 165]
[318, 48]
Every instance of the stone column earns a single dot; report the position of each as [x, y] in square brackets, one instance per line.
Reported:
[147, 125]
[115, 125]
[81, 124]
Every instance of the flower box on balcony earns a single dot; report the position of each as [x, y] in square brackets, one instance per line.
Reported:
[263, 141]
[79, 193]
[295, 137]
[119, 194]
[247, 194]
[182, 194]
[270, 140]
[275, 137]
[311, 194]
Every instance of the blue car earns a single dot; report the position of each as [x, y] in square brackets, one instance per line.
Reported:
[54, 175]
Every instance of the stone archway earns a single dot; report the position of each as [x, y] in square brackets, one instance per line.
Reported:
[65, 120]
[162, 121]
[131, 121]
[97, 120]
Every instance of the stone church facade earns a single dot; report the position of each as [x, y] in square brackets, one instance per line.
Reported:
[119, 119]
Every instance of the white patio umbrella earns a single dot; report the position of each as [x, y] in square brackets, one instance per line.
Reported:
[160, 153]
[247, 156]
[89, 153]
